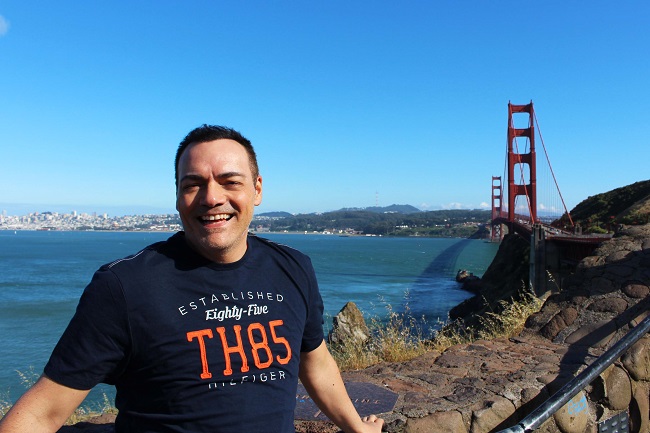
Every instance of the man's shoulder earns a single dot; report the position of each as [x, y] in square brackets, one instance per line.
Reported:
[273, 245]
[158, 251]
[277, 249]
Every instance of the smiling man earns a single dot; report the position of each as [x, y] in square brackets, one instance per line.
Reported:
[208, 331]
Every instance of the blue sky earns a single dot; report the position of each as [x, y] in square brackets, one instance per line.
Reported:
[348, 103]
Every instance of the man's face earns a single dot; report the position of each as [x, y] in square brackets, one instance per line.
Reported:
[216, 197]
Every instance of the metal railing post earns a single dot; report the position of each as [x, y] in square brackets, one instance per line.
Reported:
[568, 391]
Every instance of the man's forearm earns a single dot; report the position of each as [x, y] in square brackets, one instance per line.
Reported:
[42, 409]
[321, 377]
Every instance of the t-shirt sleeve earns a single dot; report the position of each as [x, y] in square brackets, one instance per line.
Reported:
[313, 335]
[94, 347]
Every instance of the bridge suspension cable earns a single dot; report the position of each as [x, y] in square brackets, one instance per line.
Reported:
[551, 169]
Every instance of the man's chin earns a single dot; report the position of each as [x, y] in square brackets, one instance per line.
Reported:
[220, 246]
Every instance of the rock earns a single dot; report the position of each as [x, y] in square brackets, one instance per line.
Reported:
[470, 282]
[638, 291]
[572, 417]
[637, 360]
[596, 334]
[617, 256]
[640, 408]
[439, 422]
[561, 320]
[608, 305]
[491, 414]
[618, 388]
[349, 327]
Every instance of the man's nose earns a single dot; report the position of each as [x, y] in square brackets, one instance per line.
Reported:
[213, 195]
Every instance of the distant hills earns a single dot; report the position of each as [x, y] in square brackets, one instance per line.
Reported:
[274, 215]
[393, 220]
[394, 208]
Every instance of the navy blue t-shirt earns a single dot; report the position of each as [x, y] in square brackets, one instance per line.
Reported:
[195, 346]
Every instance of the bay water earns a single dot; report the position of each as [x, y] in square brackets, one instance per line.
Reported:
[42, 275]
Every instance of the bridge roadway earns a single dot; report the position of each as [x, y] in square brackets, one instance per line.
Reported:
[572, 247]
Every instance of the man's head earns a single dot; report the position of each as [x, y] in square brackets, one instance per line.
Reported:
[218, 187]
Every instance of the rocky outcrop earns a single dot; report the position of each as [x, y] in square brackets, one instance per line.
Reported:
[604, 297]
[349, 328]
[504, 279]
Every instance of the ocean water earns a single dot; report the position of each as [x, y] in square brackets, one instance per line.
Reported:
[42, 275]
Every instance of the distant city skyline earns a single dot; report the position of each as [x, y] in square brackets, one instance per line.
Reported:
[347, 103]
[27, 208]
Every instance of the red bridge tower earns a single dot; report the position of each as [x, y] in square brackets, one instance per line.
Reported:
[497, 194]
[515, 158]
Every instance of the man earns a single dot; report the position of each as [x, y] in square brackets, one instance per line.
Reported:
[208, 331]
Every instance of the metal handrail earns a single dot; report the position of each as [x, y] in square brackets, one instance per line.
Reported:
[568, 391]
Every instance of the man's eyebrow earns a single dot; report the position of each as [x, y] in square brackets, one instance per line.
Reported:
[191, 177]
[226, 175]
[230, 174]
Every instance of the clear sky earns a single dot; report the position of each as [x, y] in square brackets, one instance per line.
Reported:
[349, 104]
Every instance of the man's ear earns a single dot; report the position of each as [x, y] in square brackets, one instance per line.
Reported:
[258, 190]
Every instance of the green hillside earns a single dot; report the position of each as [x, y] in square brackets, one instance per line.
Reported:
[628, 205]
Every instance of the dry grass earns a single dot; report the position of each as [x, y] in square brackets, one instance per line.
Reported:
[401, 337]
[510, 321]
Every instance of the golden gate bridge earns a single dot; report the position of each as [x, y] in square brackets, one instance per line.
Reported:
[555, 240]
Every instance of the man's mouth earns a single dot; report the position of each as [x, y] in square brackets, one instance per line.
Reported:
[215, 218]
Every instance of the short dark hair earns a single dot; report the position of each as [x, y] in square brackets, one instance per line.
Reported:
[213, 132]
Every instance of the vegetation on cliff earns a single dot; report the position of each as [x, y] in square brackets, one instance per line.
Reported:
[629, 205]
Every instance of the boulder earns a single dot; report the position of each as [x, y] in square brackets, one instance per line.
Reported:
[573, 416]
[618, 388]
[637, 360]
[490, 414]
[349, 327]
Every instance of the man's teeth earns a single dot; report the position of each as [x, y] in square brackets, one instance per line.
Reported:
[216, 217]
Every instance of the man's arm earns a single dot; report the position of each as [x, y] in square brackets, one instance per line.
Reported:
[321, 377]
[43, 408]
